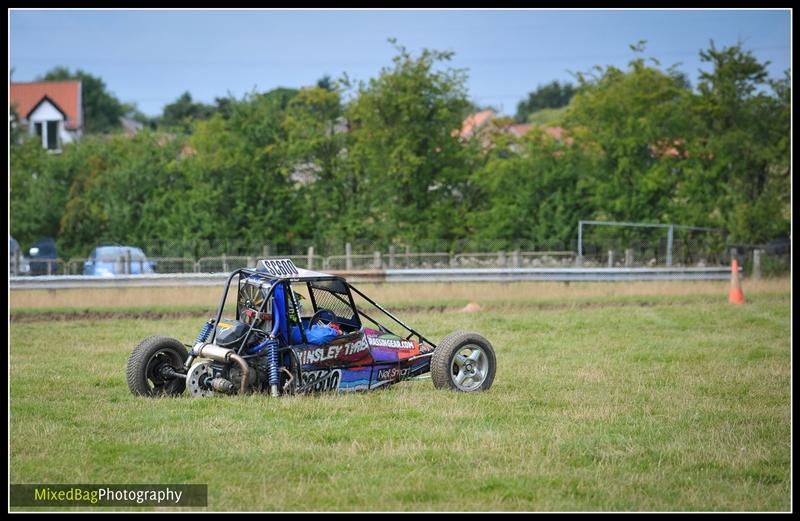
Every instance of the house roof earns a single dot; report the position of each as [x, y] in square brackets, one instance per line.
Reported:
[520, 129]
[474, 121]
[556, 133]
[65, 95]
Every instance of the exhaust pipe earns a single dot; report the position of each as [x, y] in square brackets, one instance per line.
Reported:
[221, 354]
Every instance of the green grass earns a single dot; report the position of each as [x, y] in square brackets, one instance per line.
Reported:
[678, 406]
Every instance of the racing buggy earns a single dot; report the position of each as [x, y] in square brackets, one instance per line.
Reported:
[342, 343]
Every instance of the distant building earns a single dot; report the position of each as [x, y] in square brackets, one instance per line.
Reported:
[474, 122]
[130, 127]
[478, 124]
[51, 110]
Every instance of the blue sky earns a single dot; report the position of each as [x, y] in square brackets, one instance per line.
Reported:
[151, 57]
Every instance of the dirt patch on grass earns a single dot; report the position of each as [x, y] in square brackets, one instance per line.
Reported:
[89, 314]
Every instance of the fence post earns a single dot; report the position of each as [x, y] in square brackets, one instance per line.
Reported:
[376, 260]
[757, 264]
[224, 263]
[49, 266]
[669, 245]
[310, 261]
[348, 256]
[265, 251]
[628, 257]
[501, 259]
[391, 257]
[610, 258]
[579, 258]
[515, 258]
[408, 255]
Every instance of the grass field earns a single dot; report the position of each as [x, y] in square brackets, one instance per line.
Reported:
[653, 398]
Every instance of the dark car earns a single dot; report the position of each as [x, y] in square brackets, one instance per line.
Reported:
[43, 258]
[111, 260]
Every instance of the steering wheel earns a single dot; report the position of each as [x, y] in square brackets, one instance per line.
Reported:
[323, 317]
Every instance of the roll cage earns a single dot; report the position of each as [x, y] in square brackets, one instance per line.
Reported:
[332, 288]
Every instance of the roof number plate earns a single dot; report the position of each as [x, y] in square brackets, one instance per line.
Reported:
[280, 267]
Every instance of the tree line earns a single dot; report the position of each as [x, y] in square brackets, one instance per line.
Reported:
[381, 162]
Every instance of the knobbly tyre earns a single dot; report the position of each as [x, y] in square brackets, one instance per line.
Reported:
[270, 347]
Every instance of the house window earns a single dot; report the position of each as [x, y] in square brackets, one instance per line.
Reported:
[52, 135]
[38, 127]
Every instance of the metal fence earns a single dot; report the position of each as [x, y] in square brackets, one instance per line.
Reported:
[599, 244]
[755, 260]
[628, 244]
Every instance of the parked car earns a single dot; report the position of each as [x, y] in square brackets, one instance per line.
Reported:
[112, 260]
[17, 263]
[43, 258]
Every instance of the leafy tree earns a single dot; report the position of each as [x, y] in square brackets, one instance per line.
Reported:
[738, 176]
[326, 83]
[315, 147]
[37, 193]
[290, 167]
[408, 166]
[552, 95]
[534, 190]
[183, 111]
[637, 118]
[101, 109]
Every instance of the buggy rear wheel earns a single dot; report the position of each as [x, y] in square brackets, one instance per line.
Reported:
[463, 361]
[149, 364]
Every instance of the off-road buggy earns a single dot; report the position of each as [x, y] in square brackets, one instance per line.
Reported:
[271, 346]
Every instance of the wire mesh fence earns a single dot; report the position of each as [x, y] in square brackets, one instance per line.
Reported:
[597, 245]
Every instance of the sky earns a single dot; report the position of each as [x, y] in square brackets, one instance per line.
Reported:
[151, 57]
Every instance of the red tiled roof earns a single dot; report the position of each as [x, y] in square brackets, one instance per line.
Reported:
[474, 121]
[65, 94]
[520, 129]
[555, 132]
[663, 148]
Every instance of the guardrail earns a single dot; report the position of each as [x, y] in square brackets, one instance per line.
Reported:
[375, 260]
[409, 275]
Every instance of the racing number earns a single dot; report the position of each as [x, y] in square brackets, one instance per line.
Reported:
[281, 267]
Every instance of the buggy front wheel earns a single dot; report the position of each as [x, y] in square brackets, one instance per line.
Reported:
[152, 365]
[463, 361]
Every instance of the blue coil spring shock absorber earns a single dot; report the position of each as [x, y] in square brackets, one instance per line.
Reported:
[272, 356]
[207, 327]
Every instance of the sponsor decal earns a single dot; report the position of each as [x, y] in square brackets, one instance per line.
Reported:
[393, 373]
[320, 354]
[355, 347]
[324, 354]
[224, 325]
[391, 343]
[425, 347]
[325, 383]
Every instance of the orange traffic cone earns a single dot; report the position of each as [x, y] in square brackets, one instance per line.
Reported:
[735, 296]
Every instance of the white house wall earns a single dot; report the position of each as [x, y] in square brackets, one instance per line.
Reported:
[47, 112]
